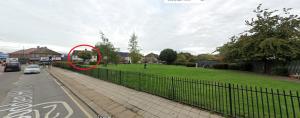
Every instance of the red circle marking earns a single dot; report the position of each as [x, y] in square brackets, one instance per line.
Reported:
[79, 68]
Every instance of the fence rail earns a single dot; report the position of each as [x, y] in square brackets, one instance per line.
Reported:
[227, 99]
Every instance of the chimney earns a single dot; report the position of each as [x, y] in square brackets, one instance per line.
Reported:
[38, 47]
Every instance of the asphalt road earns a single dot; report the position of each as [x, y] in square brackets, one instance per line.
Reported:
[37, 96]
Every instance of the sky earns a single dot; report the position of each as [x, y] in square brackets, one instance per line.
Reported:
[195, 27]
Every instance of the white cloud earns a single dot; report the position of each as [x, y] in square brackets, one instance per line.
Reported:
[196, 28]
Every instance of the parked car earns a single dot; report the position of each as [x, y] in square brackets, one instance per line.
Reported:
[32, 68]
[44, 63]
[12, 66]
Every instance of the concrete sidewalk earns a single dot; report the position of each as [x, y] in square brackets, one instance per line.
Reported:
[117, 101]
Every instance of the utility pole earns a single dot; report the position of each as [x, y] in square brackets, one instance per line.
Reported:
[23, 52]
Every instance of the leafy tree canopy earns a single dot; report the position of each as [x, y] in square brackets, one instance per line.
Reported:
[273, 36]
[134, 49]
[85, 55]
[108, 52]
[168, 55]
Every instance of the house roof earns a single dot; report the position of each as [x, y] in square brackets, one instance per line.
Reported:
[38, 50]
[152, 55]
[123, 54]
[27, 51]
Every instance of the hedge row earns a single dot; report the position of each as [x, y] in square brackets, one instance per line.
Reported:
[282, 70]
[188, 64]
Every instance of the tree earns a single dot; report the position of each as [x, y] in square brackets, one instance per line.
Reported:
[85, 55]
[134, 49]
[271, 37]
[206, 57]
[168, 55]
[108, 52]
[181, 59]
[185, 57]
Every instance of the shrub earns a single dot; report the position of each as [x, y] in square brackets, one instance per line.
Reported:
[282, 71]
[234, 66]
[179, 63]
[190, 64]
[220, 66]
[168, 55]
[246, 66]
[92, 63]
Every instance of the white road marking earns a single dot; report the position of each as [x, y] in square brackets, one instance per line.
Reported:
[81, 108]
[23, 111]
[54, 105]
[20, 104]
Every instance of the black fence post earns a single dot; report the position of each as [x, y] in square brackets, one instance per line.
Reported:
[106, 74]
[230, 99]
[98, 72]
[173, 89]
[120, 77]
[139, 81]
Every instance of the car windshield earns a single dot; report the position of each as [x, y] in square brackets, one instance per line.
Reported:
[33, 66]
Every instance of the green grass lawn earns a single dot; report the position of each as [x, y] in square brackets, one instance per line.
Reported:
[228, 76]
[244, 101]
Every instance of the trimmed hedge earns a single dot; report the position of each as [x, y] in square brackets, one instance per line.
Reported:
[190, 64]
[234, 66]
[246, 66]
[187, 64]
[220, 66]
[282, 71]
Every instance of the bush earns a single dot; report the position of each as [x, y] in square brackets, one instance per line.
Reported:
[246, 66]
[168, 55]
[179, 63]
[220, 66]
[190, 64]
[281, 71]
[92, 63]
[234, 66]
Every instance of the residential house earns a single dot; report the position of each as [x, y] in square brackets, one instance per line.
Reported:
[35, 54]
[124, 57]
[151, 58]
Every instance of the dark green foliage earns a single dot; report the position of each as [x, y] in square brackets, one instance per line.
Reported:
[108, 51]
[220, 66]
[92, 63]
[234, 66]
[271, 37]
[179, 63]
[240, 66]
[190, 64]
[168, 55]
[282, 71]
[85, 55]
[245, 66]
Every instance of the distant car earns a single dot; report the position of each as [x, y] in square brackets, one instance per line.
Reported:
[31, 69]
[44, 63]
[12, 66]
